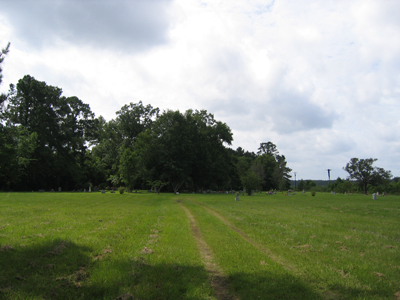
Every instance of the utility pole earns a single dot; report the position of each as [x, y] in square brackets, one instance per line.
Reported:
[329, 175]
[295, 185]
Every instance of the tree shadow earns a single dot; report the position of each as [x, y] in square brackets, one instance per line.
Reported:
[42, 270]
[61, 269]
[268, 285]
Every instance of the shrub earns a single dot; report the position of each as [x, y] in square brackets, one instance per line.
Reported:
[121, 189]
[313, 193]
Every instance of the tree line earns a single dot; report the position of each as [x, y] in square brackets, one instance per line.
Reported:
[363, 177]
[49, 141]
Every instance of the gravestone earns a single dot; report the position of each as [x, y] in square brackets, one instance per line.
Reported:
[237, 197]
[103, 191]
[373, 196]
[90, 189]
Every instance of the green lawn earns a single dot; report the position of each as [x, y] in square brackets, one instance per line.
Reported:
[149, 246]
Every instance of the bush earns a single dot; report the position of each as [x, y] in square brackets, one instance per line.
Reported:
[313, 193]
[251, 181]
[121, 189]
[318, 188]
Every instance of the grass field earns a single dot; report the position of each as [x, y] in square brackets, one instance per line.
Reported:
[149, 246]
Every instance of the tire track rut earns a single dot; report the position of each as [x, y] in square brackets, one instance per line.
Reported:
[260, 247]
[217, 278]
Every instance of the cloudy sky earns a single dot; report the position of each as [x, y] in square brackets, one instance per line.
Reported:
[320, 79]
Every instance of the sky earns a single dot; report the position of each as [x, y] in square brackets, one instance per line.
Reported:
[320, 79]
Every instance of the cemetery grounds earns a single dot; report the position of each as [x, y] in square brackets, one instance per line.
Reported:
[198, 246]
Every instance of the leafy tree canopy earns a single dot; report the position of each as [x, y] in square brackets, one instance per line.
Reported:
[365, 173]
[3, 52]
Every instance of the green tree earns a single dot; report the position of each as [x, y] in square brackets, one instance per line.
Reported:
[16, 153]
[157, 185]
[17, 144]
[268, 148]
[251, 182]
[128, 167]
[135, 118]
[365, 173]
[63, 127]
[269, 165]
[171, 149]
[114, 145]
[306, 184]
[186, 149]
[282, 173]
[3, 53]
[243, 164]
[275, 173]
[106, 151]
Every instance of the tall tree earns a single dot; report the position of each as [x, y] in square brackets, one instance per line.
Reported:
[268, 148]
[187, 149]
[275, 173]
[365, 173]
[282, 173]
[114, 148]
[135, 118]
[17, 144]
[16, 153]
[269, 166]
[3, 53]
[251, 182]
[62, 126]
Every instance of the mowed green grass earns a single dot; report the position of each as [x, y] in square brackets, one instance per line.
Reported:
[113, 246]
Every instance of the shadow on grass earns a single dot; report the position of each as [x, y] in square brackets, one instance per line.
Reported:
[267, 285]
[46, 270]
[356, 293]
[63, 270]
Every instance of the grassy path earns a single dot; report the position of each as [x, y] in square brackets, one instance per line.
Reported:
[217, 278]
[340, 248]
[94, 246]
[250, 270]
[257, 245]
[198, 247]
